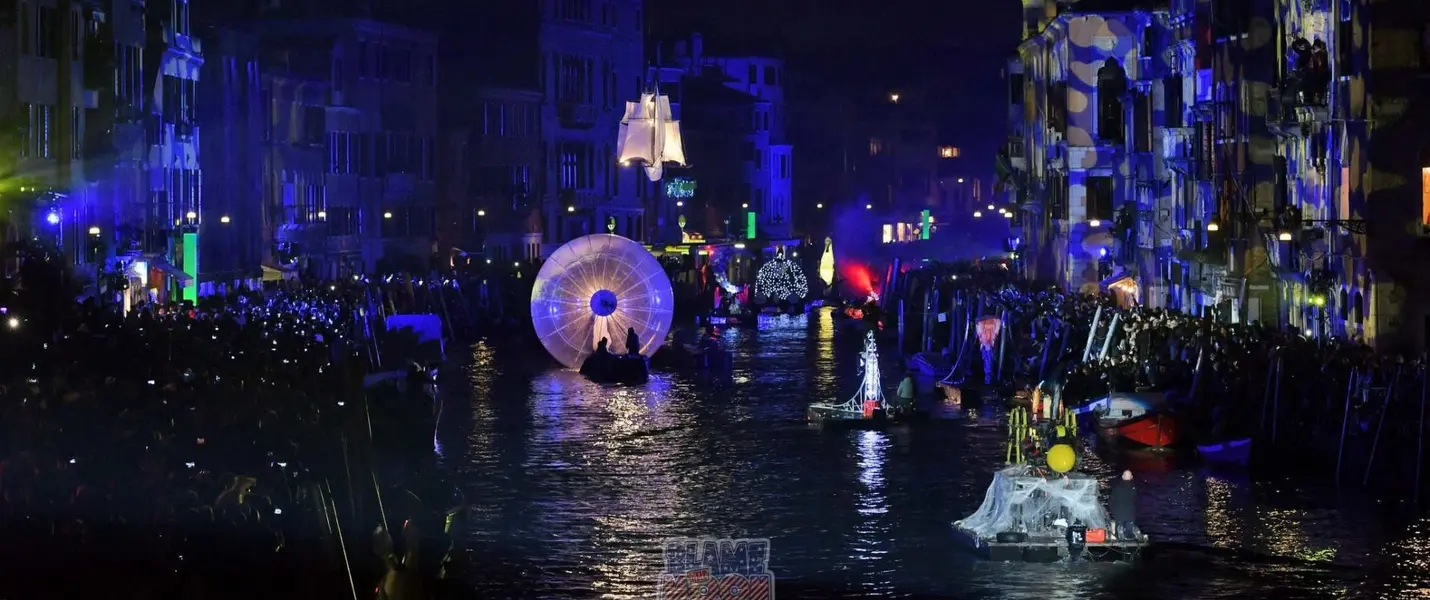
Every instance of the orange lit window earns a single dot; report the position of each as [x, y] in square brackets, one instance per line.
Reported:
[1425, 195]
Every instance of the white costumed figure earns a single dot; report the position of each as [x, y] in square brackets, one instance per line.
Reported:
[870, 396]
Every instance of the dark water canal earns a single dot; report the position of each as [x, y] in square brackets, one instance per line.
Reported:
[574, 487]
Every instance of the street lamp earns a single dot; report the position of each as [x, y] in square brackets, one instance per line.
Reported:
[894, 97]
[94, 231]
[387, 215]
[481, 213]
[960, 180]
[990, 207]
[679, 203]
[571, 209]
[745, 205]
[1094, 223]
[868, 207]
[53, 218]
[191, 215]
[224, 219]
[322, 215]
[1213, 226]
[977, 214]
[819, 206]
[1284, 236]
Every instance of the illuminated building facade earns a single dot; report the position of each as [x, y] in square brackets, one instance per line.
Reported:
[1083, 158]
[1260, 146]
[1352, 170]
[752, 109]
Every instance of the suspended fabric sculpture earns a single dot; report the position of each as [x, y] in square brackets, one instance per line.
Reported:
[598, 286]
[650, 136]
[781, 279]
[826, 262]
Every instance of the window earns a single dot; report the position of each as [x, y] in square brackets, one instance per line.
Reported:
[75, 138]
[431, 75]
[575, 166]
[1058, 106]
[428, 170]
[343, 220]
[1015, 88]
[314, 125]
[574, 10]
[772, 76]
[759, 159]
[77, 37]
[181, 17]
[339, 153]
[1172, 101]
[1230, 17]
[338, 74]
[1111, 85]
[394, 223]
[364, 60]
[1281, 189]
[1425, 195]
[1058, 197]
[1099, 198]
[45, 41]
[27, 23]
[754, 75]
[1142, 123]
[876, 147]
[784, 166]
[1425, 46]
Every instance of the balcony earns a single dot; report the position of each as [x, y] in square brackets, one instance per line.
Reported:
[577, 115]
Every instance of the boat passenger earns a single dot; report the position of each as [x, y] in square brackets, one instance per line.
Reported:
[907, 392]
[1123, 506]
[602, 346]
[633, 342]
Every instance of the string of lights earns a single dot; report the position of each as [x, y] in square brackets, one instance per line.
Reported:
[782, 279]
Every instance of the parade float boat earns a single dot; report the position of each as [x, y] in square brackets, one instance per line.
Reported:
[1230, 452]
[1040, 508]
[621, 369]
[868, 407]
[1141, 418]
[1032, 515]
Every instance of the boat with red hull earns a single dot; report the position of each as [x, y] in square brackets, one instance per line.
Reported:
[1154, 430]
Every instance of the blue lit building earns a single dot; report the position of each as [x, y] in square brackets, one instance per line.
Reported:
[1235, 148]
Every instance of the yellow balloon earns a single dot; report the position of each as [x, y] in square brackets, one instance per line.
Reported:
[1062, 458]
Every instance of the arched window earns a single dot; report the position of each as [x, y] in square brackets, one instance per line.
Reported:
[1345, 304]
[1111, 86]
[1360, 309]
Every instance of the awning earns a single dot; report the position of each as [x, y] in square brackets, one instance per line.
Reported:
[272, 274]
[170, 270]
[1120, 280]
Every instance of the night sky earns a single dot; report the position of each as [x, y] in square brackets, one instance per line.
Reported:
[955, 49]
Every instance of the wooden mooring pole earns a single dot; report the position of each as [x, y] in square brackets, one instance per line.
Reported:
[1375, 443]
[1345, 422]
[1420, 437]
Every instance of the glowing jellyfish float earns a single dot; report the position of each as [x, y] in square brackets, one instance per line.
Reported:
[596, 287]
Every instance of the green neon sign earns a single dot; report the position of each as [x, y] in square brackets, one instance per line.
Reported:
[191, 266]
[750, 226]
[924, 221]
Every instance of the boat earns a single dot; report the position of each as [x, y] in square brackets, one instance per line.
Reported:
[1138, 417]
[1230, 452]
[626, 369]
[1032, 514]
[867, 409]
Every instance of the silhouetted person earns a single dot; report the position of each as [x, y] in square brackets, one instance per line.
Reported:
[633, 342]
[602, 347]
[1123, 507]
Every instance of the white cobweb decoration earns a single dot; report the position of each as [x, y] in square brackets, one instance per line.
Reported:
[598, 286]
[1018, 500]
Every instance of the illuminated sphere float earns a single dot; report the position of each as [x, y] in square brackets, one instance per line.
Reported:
[598, 286]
